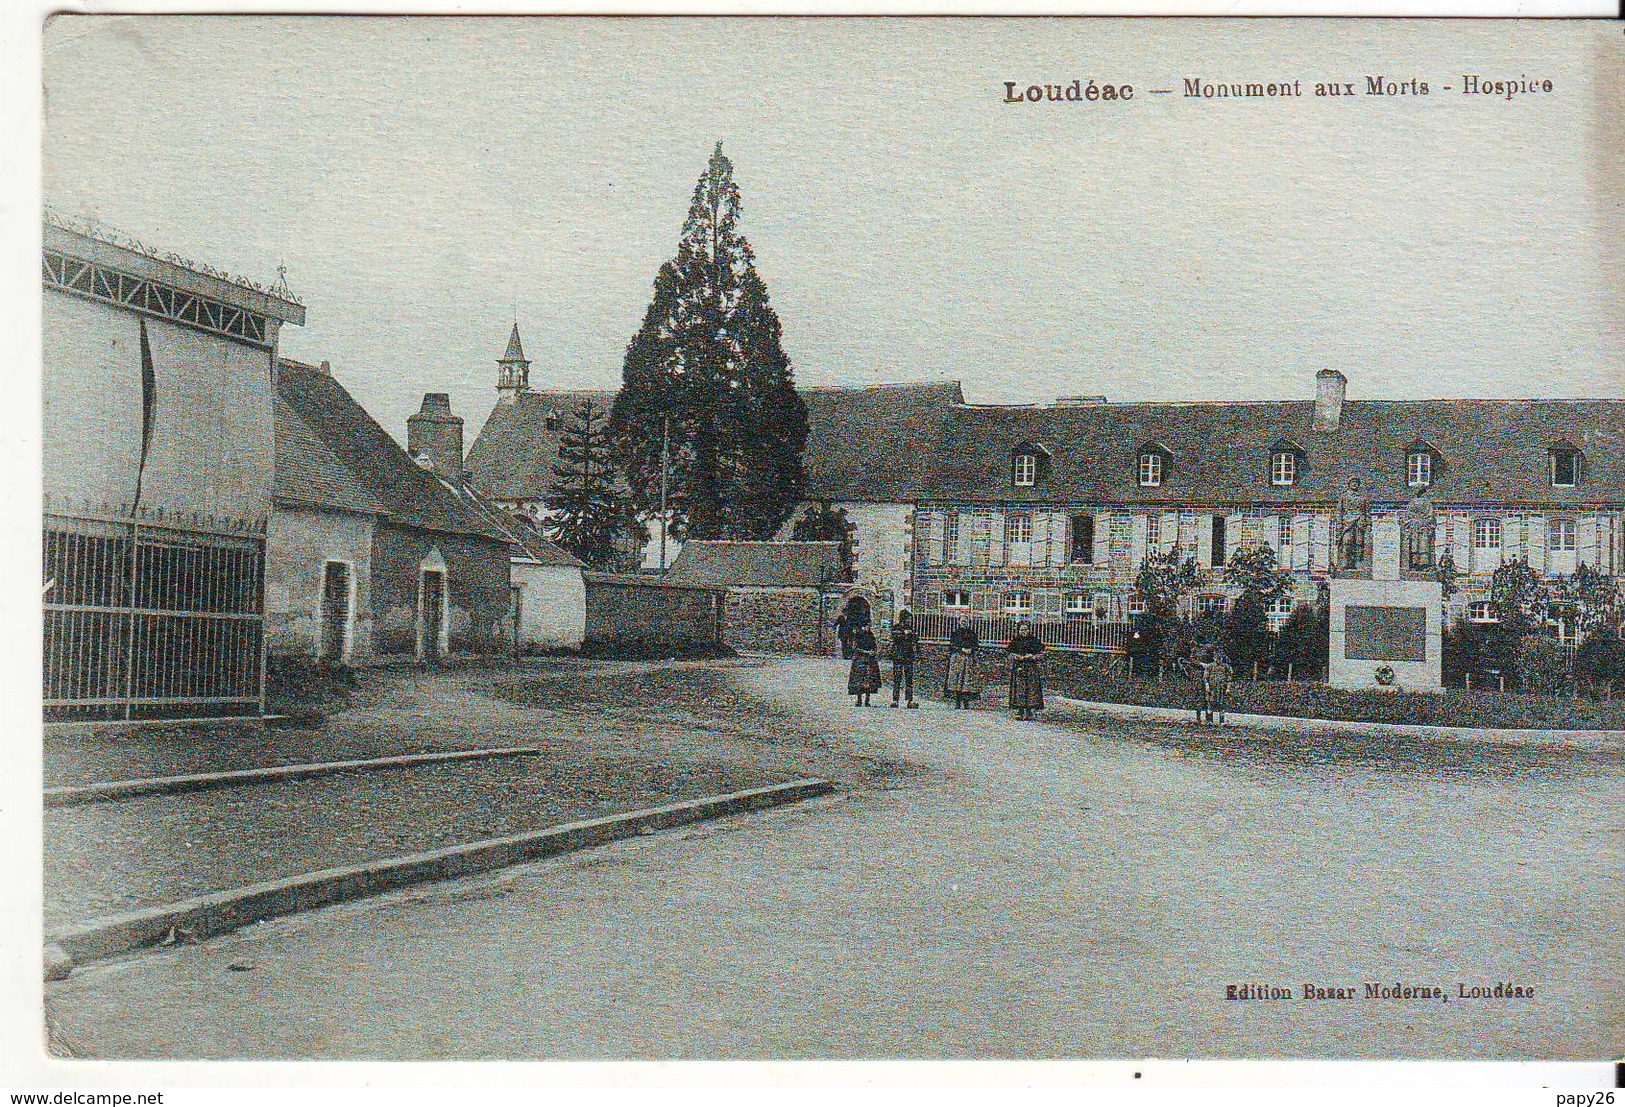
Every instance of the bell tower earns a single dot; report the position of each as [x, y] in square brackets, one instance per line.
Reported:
[513, 371]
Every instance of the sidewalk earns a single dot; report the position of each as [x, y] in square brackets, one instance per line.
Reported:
[611, 741]
[1591, 740]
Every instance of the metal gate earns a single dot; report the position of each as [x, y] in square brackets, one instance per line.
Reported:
[153, 618]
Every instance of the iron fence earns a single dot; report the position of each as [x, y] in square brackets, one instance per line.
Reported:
[1086, 635]
[152, 618]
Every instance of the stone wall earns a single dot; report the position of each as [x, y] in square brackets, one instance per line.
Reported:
[639, 613]
[779, 620]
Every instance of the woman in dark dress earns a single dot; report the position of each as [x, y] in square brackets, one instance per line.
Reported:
[962, 684]
[864, 678]
[1026, 673]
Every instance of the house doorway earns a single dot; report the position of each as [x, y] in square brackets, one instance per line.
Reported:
[334, 644]
[432, 623]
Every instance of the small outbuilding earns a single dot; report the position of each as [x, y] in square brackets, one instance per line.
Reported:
[780, 596]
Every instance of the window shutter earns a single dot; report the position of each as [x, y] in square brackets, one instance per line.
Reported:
[965, 525]
[1272, 534]
[1585, 541]
[1233, 527]
[935, 537]
[1320, 528]
[1170, 531]
[1441, 538]
[1461, 542]
[983, 600]
[1137, 541]
[1040, 544]
[1204, 541]
[1047, 602]
[1060, 538]
[1535, 542]
[1103, 538]
[1605, 544]
[1302, 541]
[995, 539]
[1511, 538]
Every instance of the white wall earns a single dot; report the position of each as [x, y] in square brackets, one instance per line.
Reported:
[1346, 672]
[882, 548]
[552, 604]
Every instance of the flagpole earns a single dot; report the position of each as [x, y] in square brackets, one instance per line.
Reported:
[665, 466]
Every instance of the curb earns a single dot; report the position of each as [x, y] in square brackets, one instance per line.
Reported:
[1591, 740]
[220, 912]
[198, 782]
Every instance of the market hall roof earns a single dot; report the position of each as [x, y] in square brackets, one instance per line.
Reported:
[331, 453]
[1488, 451]
[730, 564]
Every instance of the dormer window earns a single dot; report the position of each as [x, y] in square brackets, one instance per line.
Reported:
[1283, 468]
[1151, 465]
[1286, 458]
[1418, 469]
[1029, 464]
[1565, 466]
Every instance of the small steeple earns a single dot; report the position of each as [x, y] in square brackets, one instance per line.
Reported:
[513, 371]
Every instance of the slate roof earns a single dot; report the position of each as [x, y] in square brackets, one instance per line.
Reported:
[521, 530]
[308, 474]
[874, 444]
[863, 444]
[514, 455]
[330, 453]
[1493, 451]
[515, 351]
[922, 442]
[757, 564]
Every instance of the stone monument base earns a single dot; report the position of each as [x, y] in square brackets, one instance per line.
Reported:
[1386, 634]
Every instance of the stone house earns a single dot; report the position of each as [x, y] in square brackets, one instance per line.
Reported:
[779, 596]
[1047, 512]
[368, 553]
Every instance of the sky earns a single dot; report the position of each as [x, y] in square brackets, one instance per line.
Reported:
[427, 182]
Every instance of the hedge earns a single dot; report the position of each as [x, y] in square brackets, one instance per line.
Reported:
[1092, 677]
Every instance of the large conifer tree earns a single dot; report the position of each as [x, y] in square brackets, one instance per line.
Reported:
[587, 514]
[708, 364]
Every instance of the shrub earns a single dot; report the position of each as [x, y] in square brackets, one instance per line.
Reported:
[1248, 641]
[1304, 641]
[1601, 658]
[1543, 667]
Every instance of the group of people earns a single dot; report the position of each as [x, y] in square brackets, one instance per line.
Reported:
[1208, 669]
[962, 682]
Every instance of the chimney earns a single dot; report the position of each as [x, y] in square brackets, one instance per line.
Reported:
[435, 434]
[1330, 386]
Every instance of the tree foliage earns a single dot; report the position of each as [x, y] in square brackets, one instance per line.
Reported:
[1253, 567]
[707, 362]
[824, 523]
[587, 513]
[1519, 594]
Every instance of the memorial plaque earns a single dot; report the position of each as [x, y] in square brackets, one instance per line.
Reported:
[1385, 634]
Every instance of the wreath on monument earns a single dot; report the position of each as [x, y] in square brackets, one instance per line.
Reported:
[1386, 676]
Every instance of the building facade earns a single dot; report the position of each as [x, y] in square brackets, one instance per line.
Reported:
[1048, 512]
[157, 462]
[370, 554]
